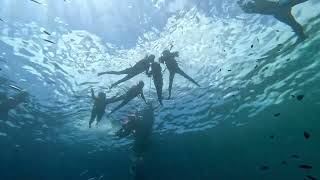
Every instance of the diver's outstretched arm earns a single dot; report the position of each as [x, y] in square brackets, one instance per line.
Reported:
[179, 71]
[123, 103]
[92, 95]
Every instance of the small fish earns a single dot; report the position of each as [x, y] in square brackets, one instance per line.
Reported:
[36, 1]
[300, 97]
[311, 177]
[304, 166]
[271, 137]
[293, 96]
[15, 87]
[264, 168]
[277, 30]
[277, 114]
[295, 156]
[1, 20]
[284, 163]
[46, 32]
[229, 70]
[49, 41]
[306, 135]
[252, 46]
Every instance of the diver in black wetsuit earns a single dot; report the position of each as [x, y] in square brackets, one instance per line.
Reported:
[128, 127]
[139, 67]
[6, 104]
[99, 106]
[140, 125]
[281, 10]
[133, 92]
[156, 73]
[169, 59]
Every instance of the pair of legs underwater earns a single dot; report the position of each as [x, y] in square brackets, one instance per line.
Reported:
[95, 115]
[129, 74]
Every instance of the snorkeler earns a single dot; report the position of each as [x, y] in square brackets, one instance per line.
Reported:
[139, 67]
[169, 59]
[99, 106]
[133, 92]
[156, 74]
[140, 126]
[281, 10]
[6, 104]
[128, 127]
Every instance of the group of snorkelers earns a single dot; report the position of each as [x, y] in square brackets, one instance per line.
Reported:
[152, 69]
[140, 123]
[281, 10]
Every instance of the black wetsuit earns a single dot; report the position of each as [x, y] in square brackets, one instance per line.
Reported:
[281, 12]
[156, 73]
[142, 141]
[133, 92]
[174, 68]
[141, 128]
[140, 67]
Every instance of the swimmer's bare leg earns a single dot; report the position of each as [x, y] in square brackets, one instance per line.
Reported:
[93, 117]
[287, 18]
[171, 77]
[159, 93]
[99, 117]
[127, 77]
[126, 71]
[179, 71]
[123, 103]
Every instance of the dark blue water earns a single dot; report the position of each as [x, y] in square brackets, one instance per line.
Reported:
[249, 67]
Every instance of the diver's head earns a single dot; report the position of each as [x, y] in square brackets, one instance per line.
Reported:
[166, 53]
[151, 58]
[141, 84]
[101, 95]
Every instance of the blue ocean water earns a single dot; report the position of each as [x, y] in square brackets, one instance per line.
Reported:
[249, 66]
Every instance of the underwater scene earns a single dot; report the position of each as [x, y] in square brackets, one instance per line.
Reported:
[159, 89]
